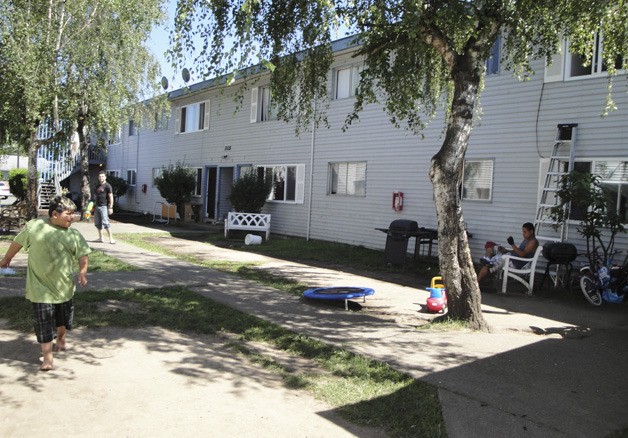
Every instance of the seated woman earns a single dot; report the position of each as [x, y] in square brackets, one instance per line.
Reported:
[526, 249]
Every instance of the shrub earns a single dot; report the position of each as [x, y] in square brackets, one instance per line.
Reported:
[176, 184]
[119, 187]
[599, 222]
[250, 192]
[18, 180]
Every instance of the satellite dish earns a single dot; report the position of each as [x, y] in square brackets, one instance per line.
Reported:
[185, 74]
[164, 82]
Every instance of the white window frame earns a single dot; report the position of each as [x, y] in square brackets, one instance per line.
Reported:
[162, 120]
[193, 117]
[562, 63]
[262, 109]
[479, 188]
[157, 172]
[131, 177]
[617, 175]
[295, 187]
[492, 64]
[346, 80]
[117, 137]
[346, 178]
[114, 172]
[198, 188]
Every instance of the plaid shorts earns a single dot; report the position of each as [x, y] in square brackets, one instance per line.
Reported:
[50, 316]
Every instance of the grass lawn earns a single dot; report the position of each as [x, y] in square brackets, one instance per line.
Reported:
[363, 391]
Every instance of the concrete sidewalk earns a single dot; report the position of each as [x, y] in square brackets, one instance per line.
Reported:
[548, 368]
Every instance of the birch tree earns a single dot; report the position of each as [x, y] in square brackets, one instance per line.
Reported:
[419, 57]
[78, 66]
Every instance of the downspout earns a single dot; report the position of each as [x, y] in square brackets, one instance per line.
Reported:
[137, 165]
[309, 210]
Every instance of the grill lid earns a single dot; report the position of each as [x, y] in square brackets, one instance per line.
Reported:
[557, 252]
[403, 225]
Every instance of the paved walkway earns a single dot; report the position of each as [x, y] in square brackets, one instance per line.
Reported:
[548, 368]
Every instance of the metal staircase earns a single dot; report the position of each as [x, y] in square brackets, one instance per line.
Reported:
[55, 162]
[561, 162]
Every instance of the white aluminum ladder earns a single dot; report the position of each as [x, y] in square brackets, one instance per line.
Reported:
[561, 163]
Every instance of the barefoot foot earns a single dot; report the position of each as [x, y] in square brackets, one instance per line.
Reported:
[45, 366]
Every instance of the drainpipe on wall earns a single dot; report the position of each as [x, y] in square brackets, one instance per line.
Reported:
[137, 164]
[309, 210]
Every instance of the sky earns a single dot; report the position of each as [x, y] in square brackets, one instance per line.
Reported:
[159, 43]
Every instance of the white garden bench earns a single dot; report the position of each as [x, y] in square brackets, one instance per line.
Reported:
[248, 222]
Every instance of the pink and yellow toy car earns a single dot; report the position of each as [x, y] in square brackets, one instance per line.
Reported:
[437, 302]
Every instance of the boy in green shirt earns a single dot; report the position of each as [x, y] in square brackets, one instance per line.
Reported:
[53, 250]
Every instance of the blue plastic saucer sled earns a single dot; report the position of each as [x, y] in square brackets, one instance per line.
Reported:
[338, 293]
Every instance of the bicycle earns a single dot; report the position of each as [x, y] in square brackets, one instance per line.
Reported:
[594, 281]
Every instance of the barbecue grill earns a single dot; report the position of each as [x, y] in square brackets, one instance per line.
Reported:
[558, 253]
[397, 235]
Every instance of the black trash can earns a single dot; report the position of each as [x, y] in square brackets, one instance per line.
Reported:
[397, 236]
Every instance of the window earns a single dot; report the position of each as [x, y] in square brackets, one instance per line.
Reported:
[595, 65]
[567, 65]
[613, 175]
[114, 138]
[161, 120]
[130, 177]
[288, 182]
[347, 179]
[492, 63]
[477, 180]
[346, 81]
[262, 108]
[198, 188]
[157, 172]
[192, 118]
[115, 173]
[132, 128]
[267, 111]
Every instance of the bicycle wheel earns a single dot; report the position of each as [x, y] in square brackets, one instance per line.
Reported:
[590, 290]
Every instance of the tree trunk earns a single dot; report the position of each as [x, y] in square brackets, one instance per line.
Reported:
[456, 263]
[84, 151]
[32, 179]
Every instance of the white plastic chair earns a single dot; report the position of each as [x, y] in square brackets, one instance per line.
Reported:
[524, 275]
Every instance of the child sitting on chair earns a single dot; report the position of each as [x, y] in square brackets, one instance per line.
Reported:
[492, 260]
[492, 254]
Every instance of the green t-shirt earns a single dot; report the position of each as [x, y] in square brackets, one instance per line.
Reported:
[53, 254]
